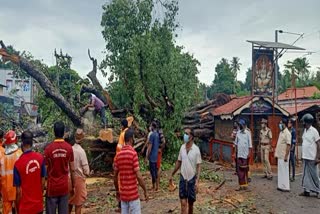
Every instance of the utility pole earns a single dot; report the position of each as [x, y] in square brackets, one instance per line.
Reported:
[276, 69]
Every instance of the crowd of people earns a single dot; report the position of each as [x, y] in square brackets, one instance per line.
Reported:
[58, 174]
[284, 152]
[127, 170]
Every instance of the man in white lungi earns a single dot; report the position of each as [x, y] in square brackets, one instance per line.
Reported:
[282, 153]
[310, 157]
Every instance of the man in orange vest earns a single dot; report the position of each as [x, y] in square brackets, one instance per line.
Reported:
[7, 161]
[1, 150]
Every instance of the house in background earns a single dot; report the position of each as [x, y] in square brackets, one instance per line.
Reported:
[20, 90]
[304, 95]
[305, 102]
[252, 109]
[1, 89]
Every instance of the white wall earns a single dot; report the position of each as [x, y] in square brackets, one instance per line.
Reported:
[24, 86]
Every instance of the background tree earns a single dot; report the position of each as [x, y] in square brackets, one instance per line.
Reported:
[224, 79]
[248, 80]
[149, 71]
[301, 67]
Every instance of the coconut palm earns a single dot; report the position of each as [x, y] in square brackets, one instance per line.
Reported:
[301, 67]
[235, 66]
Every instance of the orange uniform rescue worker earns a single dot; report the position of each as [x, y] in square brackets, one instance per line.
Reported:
[8, 159]
[1, 150]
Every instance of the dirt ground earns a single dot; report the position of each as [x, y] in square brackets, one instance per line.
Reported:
[262, 197]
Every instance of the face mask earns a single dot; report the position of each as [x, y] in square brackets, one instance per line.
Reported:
[185, 138]
[280, 126]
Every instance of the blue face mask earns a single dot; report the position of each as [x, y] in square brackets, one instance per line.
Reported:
[280, 126]
[185, 138]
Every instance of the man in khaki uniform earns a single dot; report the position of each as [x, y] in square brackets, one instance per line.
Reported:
[265, 142]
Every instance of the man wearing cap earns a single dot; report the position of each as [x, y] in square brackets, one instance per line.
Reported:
[310, 157]
[29, 177]
[282, 153]
[81, 166]
[11, 154]
[265, 143]
[99, 107]
[244, 146]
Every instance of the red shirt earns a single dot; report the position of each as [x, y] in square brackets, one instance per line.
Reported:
[29, 170]
[58, 155]
[127, 163]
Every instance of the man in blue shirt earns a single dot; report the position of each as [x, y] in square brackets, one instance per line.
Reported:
[152, 155]
[292, 158]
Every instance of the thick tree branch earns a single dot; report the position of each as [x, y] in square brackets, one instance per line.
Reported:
[145, 90]
[92, 75]
[92, 90]
[169, 104]
[44, 82]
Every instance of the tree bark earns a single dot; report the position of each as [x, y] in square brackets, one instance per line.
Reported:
[145, 89]
[89, 89]
[44, 82]
[92, 75]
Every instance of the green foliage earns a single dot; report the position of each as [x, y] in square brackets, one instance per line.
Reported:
[316, 96]
[301, 68]
[248, 81]
[8, 116]
[210, 176]
[146, 65]
[224, 78]
[65, 79]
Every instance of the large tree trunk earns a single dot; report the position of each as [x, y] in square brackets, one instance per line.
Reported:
[44, 82]
[92, 75]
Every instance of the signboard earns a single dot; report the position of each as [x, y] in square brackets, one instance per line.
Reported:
[223, 130]
[263, 72]
[261, 106]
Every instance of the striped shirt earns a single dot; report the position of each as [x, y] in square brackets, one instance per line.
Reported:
[127, 164]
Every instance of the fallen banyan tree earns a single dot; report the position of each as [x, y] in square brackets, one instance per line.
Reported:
[200, 117]
[102, 150]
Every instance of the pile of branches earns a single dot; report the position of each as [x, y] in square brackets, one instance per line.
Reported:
[200, 117]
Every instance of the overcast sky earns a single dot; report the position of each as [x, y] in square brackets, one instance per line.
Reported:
[210, 29]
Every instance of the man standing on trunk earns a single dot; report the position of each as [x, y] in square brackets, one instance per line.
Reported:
[99, 107]
[189, 161]
[282, 153]
[265, 142]
[310, 156]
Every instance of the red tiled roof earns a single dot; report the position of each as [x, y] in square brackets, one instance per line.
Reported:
[231, 106]
[305, 92]
[300, 107]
